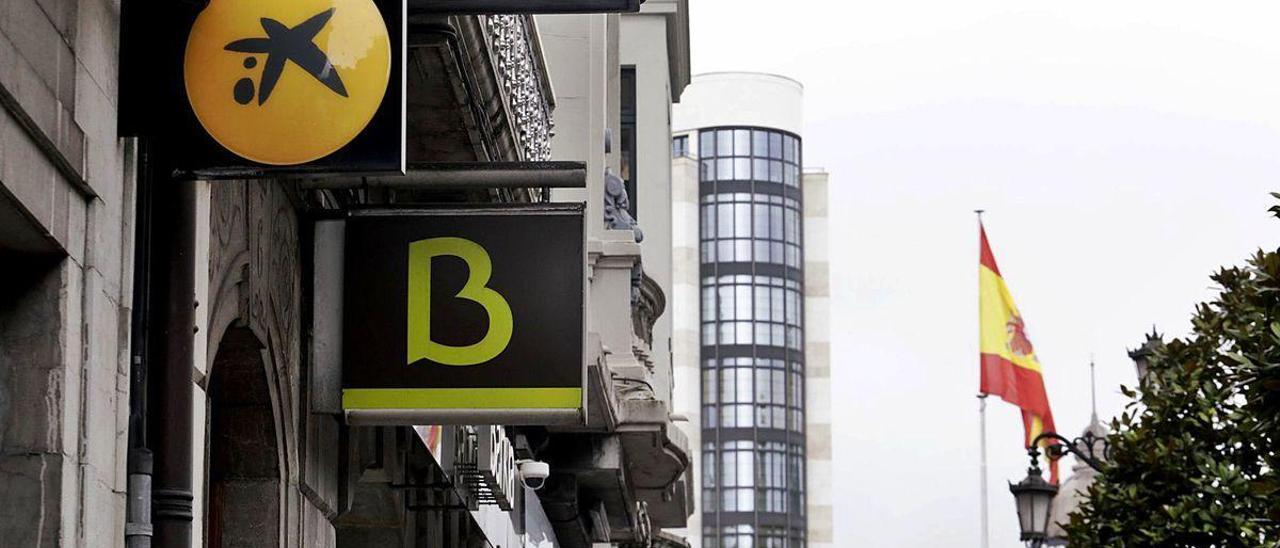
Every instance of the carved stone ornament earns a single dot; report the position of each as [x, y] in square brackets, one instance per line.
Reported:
[616, 206]
[520, 71]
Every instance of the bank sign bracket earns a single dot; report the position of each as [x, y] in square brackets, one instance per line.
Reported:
[451, 315]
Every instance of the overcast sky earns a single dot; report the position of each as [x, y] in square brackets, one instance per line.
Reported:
[1123, 150]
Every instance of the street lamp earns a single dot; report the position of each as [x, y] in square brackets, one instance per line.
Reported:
[1034, 496]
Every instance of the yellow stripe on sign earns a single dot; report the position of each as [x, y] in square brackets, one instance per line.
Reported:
[462, 398]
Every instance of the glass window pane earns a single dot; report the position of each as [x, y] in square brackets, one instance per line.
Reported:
[764, 388]
[724, 250]
[724, 142]
[762, 251]
[708, 470]
[742, 249]
[727, 418]
[760, 169]
[760, 143]
[707, 144]
[742, 220]
[790, 225]
[775, 222]
[724, 220]
[726, 303]
[743, 301]
[775, 145]
[741, 169]
[744, 332]
[726, 385]
[775, 171]
[742, 142]
[788, 149]
[708, 170]
[708, 303]
[760, 214]
[762, 304]
[793, 307]
[746, 503]
[724, 169]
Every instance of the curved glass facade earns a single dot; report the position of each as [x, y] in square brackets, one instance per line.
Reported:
[752, 322]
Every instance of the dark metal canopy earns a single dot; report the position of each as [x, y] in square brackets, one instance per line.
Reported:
[521, 6]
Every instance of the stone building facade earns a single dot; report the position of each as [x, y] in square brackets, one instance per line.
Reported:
[80, 393]
[67, 202]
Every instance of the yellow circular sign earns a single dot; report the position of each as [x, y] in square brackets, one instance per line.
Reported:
[285, 82]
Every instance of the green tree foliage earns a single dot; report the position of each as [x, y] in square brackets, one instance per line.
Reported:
[1193, 459]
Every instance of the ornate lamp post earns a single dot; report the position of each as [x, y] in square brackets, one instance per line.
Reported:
[1034, 496]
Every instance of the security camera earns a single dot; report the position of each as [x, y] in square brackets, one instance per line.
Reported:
[533, 473]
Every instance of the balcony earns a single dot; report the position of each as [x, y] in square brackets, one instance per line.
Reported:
[626, 473]
[477, 89]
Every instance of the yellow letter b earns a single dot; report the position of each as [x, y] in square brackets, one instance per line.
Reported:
[475, 290]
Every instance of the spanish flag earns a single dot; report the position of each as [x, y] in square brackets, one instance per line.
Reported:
[1008, 361]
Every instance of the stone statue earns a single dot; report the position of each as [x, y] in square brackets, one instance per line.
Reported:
[616, 203]
[616, 217]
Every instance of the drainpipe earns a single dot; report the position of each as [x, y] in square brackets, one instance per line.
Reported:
[137, 527]
[171, 321]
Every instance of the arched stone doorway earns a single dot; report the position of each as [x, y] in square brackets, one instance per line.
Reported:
[244, 481]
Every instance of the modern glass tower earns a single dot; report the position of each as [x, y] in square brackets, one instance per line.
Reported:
[751, 310]
[752, 337]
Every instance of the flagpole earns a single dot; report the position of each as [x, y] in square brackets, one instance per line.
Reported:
[982, 434]
[1093, 391]
[982, 445]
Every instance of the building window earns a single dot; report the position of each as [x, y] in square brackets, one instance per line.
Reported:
[680, 147]
[628, 138]
[749, 309]
[753, 392]
[750, 227]
[759, 155]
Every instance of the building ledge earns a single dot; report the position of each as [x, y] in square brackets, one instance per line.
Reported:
[664, 539]
[658, 461]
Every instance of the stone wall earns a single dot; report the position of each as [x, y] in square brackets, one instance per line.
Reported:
[817, 367]
[255, 284]
[66, 237]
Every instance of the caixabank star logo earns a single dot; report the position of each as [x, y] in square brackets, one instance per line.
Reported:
[285, 82]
